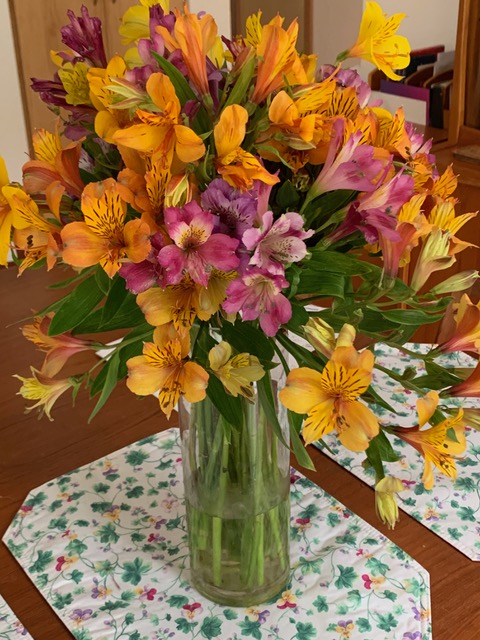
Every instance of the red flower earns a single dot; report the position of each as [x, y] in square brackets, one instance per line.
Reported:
[367, 581]
[60, 562]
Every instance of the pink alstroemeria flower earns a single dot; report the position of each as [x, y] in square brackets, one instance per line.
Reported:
[351, 166]
[196, 250]
[258, 295]
[277, 243]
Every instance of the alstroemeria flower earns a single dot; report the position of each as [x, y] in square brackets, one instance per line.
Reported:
[44, 389]
[58, 348]
[378, 43]
[278, 243]
[5, 216]
[348, 166]
[469, 388]
[84, 37]
[322, 336]
[164, 367]
[258, 294]
[161, 133]
[53, 164]
[105, 238]
[330, 398]
[182, 303]
[435, 443]
[237, 166]
[385, 500]
[196, 250]
[143, 275]
[466, 336]
[108, 119]
[376, 211]
[237, 373]
[236, 210]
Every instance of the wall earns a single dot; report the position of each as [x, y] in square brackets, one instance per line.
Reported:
[219, 9]
[13, 134]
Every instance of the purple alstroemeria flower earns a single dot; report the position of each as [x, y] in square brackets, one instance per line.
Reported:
[278, 243]
[376, 212]
[258, 294]
[347, 78]
[196, 249]
[84, 36]
[51, 91]
[409, 635]
[347, 166]
[236, 211]
[143, 275]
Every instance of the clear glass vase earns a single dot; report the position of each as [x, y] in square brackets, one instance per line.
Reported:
[237, 492]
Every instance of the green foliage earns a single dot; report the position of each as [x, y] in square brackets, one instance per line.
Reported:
[133, 571]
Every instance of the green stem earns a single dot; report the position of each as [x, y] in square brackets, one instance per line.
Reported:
[217, 550]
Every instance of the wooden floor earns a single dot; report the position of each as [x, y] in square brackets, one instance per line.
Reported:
[33, 452]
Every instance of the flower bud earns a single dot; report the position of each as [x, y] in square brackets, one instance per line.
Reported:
[386, 501]
[320, 335]
[458, 282]
[178, 192]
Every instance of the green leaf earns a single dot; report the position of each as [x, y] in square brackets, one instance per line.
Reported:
[295, 422]
[74, 307]
[287, 196]
[323, 284]
[335, 262]
[44, 558]
[108, 533]
[411, 317]
[133, 571]
[76, 547]
[182, 88]
[135, 492]
[136, 457]
[61, 601]
[184, 626]
[250, 628]
[299, 317]
[467, 514]
[391, 595]
[127, 315]
[346, 578]
[229, 406]
[380, 450]
[305, 631]
[320, 604]
[76, 576]
[177, 601]
[230, 614]
[117, 294]
[211, 627]
[109, 385]
[386, 622]
[267, 402]
[354, 597]
[238, 94]
[76, 278]
[246, 338]
[363, 625]
[376, 567]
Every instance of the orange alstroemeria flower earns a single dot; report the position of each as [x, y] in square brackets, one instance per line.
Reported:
[330, 398]
[278, 59]
[237, 166]
[164, 367]
[162, 134]
[58, 349]
[104, 238]
[466, 336]
[435, 443]
[53, 164]
[195, 37]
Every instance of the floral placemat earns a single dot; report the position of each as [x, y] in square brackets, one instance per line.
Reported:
[10, 627]
[452, 508]
[106, 546]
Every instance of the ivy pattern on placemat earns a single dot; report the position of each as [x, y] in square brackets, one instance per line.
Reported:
[106, 546]
[10, 626]
[450, 509]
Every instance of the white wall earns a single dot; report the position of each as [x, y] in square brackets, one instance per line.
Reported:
[13, 133]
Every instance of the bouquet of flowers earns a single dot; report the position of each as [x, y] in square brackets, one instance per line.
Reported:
[218, 199]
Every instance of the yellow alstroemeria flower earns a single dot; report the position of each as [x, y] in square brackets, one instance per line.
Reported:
[330, 398]
[75, 82]
[5, 216]
[160, 134]
[44, 389]
[108, 119]
[104, 238]
[164, 367]
[378, 43]
[237, 166]
[385, 500]
[36, 232]
[466, 336]
[435, 443]
[236, 373]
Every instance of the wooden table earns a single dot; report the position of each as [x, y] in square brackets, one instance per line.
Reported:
[33, 452]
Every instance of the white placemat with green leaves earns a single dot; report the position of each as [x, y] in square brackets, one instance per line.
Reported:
[106, 546]
[10, 626]
[452, 508]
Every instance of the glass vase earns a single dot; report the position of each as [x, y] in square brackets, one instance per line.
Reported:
[237, 493]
